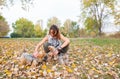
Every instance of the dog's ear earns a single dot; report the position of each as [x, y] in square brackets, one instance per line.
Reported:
[51, 48]
[41, 54]
[25, 50]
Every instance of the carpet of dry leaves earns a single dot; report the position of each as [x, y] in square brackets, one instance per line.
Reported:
[86, 61]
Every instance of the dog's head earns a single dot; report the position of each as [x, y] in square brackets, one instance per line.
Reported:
[53, 50]
[40, 55]
[39, 59]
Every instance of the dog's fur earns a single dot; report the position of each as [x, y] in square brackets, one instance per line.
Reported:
[53, 53]
[28, 59]
[32, 60]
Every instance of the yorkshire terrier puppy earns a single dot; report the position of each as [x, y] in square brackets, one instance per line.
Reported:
[53, 53]
[62, 58]
[31, 59]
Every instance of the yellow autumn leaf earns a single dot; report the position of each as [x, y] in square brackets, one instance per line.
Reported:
[112, 62]
[4, 62]
[95, 49]
[44, 66]
[69, 69]
[27, 67]
[8, 53]
[41, 72]
[8, 72]
[73, 65]
[49, 70]
[5, 70]
[32, 73]
[109, 54]
[96, 70]
[14, 61]
[1, 61]
[15, 55]
[93, 68]
[1, 56]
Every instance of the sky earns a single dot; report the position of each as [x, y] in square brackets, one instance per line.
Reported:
[46, 9]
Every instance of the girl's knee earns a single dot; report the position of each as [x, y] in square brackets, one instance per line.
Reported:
[45, 46]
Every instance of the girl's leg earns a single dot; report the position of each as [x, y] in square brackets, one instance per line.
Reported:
[63, 56]
[64, 50]
[45, 46]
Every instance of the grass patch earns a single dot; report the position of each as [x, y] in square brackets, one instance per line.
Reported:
[96, 41]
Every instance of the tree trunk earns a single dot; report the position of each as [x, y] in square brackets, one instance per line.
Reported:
[99, 28]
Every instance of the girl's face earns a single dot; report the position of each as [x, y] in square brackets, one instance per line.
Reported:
[52, 33]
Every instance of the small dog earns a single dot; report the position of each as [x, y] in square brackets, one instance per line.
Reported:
[53, 53]
[62, 58]
[30, 59]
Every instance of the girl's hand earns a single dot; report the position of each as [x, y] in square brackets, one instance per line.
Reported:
[56, 52]
[59, 48]
[35, 54]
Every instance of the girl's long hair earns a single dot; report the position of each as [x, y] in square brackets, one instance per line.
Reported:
[56, 31]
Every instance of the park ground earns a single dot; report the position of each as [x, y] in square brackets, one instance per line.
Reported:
[89, 58]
